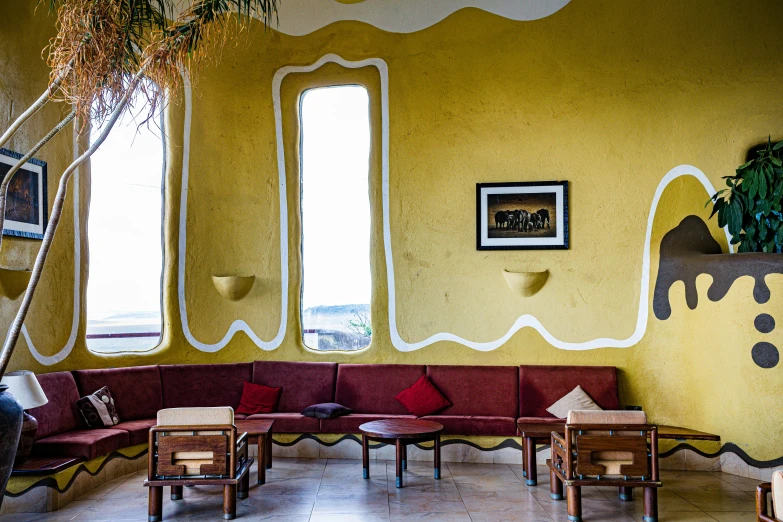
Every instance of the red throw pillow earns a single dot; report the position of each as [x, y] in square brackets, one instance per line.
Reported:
[257, 398]
[423, 398]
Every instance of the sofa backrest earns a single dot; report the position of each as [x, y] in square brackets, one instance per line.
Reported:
[542, 386]
[136, 391]
[192, 385]
[371, 388]
[477, 390]
[303, 383]
[59, 414]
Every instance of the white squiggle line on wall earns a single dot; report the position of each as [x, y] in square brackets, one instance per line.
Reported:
[48, 360]
[300, 17]
[528, 320]
[238, 325]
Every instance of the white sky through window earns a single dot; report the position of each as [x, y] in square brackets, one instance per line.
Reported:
[124, 229]
[335, 196]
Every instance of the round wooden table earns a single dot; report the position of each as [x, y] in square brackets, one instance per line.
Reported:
[400, 432]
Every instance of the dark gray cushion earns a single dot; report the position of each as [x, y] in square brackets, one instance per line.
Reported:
[327, 410]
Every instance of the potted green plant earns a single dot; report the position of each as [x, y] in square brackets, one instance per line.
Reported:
[751, 206]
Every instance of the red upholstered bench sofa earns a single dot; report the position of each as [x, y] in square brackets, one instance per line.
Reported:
[486, 400]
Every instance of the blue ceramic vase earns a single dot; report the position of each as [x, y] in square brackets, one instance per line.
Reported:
[10, 428]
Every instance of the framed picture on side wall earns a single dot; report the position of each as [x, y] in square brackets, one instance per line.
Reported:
[522, 216]
[26, 212]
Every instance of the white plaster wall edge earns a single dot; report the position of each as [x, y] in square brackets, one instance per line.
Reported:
[48, 360]
[530, 321]
[301, 17]
[238, 325]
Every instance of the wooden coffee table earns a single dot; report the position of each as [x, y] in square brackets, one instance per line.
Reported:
[262, 430]
[400, 432]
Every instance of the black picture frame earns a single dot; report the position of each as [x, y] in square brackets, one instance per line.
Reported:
[28, 188]
[530, 238]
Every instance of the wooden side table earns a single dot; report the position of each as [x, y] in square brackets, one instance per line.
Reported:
[262, 430]
[540, 433]
[401, 433]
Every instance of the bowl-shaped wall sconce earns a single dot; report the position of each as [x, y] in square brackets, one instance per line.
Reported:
[526, 284]
[233, 287]
[13, 283]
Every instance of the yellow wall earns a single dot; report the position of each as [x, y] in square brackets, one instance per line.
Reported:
[609, 95]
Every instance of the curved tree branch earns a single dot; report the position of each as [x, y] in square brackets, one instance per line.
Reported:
[32, 109]
[54, 219]
[10, 174]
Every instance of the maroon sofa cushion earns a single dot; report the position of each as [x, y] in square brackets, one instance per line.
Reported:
[542, 386]
[138, 430]
[477, 390]
[136, 391]
[289, 422]
[87, 444]
[350, 423]
[303, 383]
[476, 425]
[371, 388]
[206, 385]
[59, 414]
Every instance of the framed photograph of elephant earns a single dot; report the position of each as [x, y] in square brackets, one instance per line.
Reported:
[522, 216]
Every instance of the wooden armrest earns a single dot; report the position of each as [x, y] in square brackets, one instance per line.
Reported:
[762, 490]
[559, 438]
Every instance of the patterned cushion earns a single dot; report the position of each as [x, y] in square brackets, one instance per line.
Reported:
[98, 409]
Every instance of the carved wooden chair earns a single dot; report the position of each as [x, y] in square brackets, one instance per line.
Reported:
[197, 446]
[605, 448]
[775, 488]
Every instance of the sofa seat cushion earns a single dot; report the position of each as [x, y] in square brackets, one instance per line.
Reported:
[87, 444]
[491, 391]
[59, 415]
[350, 423]
[136, 391]
[476, 425]
[371, 388]
[288, 422]
[138, 430]
[303, 383]
[204, 385]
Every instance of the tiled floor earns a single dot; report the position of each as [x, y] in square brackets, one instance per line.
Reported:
[302, 490]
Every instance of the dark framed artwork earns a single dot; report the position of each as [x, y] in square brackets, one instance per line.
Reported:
[522, 216]
[26, 211]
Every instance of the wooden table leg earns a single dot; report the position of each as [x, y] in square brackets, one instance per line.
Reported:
[404, 456]
[524, 460]
[574, 494]
[176, 492]
[262, 459]
[555, 486]
[365, 457]
[155, 513]
[626, 494]
[400, 447]
[230, 502]
[243, 487]
[437, 457]
[650, 505]
[530, 462]
[269, 450]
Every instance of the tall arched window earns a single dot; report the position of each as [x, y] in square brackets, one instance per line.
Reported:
[125, 237]
[336, 287]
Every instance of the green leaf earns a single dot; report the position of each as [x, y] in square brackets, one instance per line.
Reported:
[762, 186]
[778, 146]
[734, 218]
[718, 205]
[745, 165]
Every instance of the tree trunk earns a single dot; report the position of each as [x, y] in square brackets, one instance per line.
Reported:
[32, 109]
[10, 174]
[54, 219]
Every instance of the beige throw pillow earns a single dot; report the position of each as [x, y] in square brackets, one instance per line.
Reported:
[576, 399]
